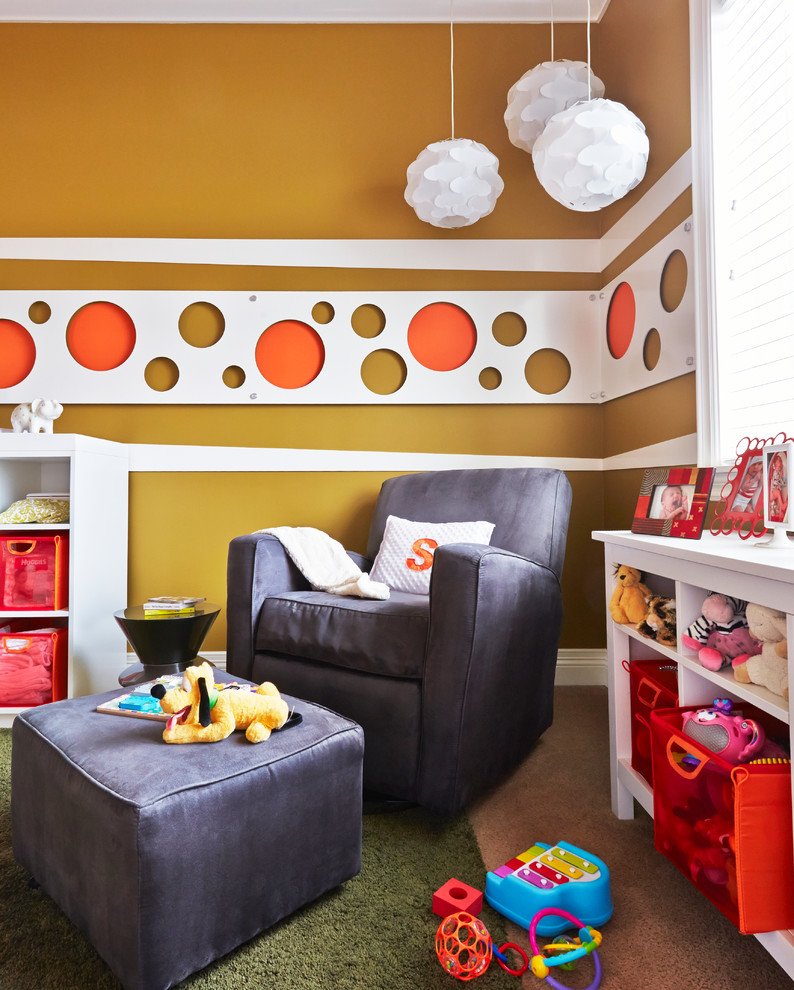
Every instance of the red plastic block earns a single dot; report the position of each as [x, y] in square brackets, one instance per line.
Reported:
[456, 896]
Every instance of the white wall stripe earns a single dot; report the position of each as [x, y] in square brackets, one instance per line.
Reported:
[173, 458]
[510, 255]
[663, 193]
[472, 255]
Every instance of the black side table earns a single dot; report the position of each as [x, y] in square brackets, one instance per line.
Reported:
[165, 644]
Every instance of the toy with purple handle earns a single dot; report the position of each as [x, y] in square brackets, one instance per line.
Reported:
[589, 937]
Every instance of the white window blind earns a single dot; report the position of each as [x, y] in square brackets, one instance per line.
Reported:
[753, 142]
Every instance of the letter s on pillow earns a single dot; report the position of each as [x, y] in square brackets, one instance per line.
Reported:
[412, 574]
[420, 551]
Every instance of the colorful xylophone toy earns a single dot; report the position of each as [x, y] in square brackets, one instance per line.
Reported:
[560, 876]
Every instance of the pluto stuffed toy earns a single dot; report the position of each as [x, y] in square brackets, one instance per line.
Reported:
[202, 713]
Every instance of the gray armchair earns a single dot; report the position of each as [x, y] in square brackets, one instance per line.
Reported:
[451, 689]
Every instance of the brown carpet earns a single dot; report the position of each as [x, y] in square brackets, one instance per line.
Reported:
[663, 934]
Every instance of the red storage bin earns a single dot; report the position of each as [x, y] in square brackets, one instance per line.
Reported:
[33, 666]
[654, 684]
[35, 571]
[726, 827]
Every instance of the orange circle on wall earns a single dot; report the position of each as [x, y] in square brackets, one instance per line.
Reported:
[620, 320]
[290, 354]
[100, 336]
[19, 353]
[442, 336]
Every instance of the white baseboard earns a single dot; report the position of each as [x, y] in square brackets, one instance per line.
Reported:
[216, 657]
[581, 667]
[573, 666]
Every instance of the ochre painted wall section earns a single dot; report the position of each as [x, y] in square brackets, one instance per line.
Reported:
[650, 416]
[261, 131]
[181, 525]
[285, 131]
[528, 430]
[643, 58]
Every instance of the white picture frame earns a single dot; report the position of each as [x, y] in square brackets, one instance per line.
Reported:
[778, 460]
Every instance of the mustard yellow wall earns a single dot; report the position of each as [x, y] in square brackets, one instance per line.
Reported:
[643, 58]
[306, 131]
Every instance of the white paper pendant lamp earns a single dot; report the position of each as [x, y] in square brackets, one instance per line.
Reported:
[544, 91]
[591, 154]
[453, 183]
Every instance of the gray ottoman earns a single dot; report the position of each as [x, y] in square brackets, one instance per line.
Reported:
[167, 857]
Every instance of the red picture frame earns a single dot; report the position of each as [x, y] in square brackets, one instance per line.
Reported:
[740, 507]
[673, 502]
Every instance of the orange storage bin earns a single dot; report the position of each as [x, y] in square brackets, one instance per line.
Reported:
[654, 684]
[726, 827]
[33, 666]
[35, 571]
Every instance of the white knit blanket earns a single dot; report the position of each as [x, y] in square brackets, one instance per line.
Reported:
[325, 564]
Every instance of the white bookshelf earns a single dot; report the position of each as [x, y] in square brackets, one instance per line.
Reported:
[95, 473]
[687, 570]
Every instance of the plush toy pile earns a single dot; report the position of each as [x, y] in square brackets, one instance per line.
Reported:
[634, 604]
[200, 712]
[769, 667]
[721, 633]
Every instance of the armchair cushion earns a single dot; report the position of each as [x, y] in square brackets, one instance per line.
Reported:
[379, 637]
[405, 558]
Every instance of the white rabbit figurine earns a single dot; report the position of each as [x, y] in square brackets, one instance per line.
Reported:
[35, 416]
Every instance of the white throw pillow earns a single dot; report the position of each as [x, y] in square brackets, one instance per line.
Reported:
[405, 557]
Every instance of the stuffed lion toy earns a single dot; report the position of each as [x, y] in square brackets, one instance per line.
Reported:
[202, 713]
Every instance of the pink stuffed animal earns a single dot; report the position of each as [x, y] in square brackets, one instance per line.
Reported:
[735, 738]
[721, 632]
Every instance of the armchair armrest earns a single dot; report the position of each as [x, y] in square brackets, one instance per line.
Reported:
[495, 621]
[257, 566]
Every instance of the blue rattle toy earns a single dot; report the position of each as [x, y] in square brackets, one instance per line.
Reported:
[589, 939]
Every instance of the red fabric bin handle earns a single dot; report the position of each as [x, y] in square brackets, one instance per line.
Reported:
[30, 544]
[655, 692]
[689, 746]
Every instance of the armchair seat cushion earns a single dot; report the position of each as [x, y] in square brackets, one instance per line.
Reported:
[378, 637]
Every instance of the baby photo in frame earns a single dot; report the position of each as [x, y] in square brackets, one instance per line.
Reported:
[740, 507]
[777, 460]
[673, 502]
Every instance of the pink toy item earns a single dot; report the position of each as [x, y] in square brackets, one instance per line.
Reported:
[734, 738]
[721, 632]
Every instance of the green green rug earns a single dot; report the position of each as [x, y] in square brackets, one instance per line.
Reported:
[376, 931]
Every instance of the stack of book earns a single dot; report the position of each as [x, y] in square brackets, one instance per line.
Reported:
[165, 605]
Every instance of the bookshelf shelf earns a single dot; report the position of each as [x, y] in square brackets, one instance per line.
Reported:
[96, 475]
[687, 570]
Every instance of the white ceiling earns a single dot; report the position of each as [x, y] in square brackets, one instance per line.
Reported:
[301, 11]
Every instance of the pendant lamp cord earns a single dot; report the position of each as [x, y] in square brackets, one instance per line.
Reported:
[452, 66]
[552, 30]
[589, 74]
